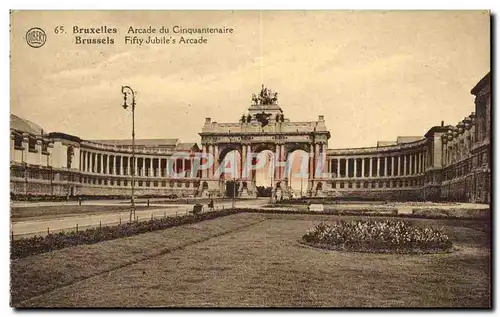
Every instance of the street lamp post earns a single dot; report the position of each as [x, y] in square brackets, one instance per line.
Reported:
[126, 90]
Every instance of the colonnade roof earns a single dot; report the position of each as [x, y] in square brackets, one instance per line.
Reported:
[379, 149]
[170, 143]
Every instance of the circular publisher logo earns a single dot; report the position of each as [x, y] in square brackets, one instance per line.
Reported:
[36, 37]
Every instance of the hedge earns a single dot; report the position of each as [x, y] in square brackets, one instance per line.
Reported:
[54, 241]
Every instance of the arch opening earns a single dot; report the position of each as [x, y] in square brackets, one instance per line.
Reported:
[298, 172]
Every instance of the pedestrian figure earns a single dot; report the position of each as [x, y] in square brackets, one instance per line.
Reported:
[211, 204]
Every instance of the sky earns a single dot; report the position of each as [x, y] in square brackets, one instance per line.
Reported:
[374, 75]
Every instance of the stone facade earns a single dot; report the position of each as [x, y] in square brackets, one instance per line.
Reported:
[447, 163]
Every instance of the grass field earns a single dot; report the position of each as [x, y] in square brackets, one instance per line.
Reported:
[30, 213]
[254, 260]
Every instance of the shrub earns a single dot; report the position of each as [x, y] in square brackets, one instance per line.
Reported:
[388, 236]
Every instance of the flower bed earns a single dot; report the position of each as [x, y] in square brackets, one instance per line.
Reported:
[388, 236]
[55, 241]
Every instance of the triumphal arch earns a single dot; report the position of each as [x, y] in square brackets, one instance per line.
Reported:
[264, 127]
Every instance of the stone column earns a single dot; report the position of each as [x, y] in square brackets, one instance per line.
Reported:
[310, 165]
[316, 159]
[347, 167]
[105, 167]
[101, 159]
[276, 162]
[129, 166]
[161, 171]
[216, 160]
[158, 168]
[404, 165]
[204, 172]
[243, 162]
[211, 153]
[134, 163]
[338, 168]
[363, 167]
[282, 160]
[392, 166]
[417, 163]
[378, 166]
[109, 166]
[385, 165]
[151, 172]
[82, 160]
[371, 166]
[249, 162]
[421, 162]
[413, 163]
[355, 174]
[183, 166]
[191, 162]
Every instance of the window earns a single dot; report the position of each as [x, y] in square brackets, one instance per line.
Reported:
[349, 184]
[163, 183]
[32, 145]
[341, 184]
[18, 141]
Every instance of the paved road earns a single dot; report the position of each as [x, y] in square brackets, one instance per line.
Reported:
[39, 227]
[66, 222]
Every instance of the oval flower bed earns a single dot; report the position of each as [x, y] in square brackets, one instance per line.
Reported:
[388, 236]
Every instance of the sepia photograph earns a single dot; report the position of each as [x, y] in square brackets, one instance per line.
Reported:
[250, 159]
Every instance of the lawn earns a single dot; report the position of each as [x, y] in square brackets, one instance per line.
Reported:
[44, 212]
[254, 260]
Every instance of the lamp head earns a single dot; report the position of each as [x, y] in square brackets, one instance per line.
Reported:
[125, 106]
